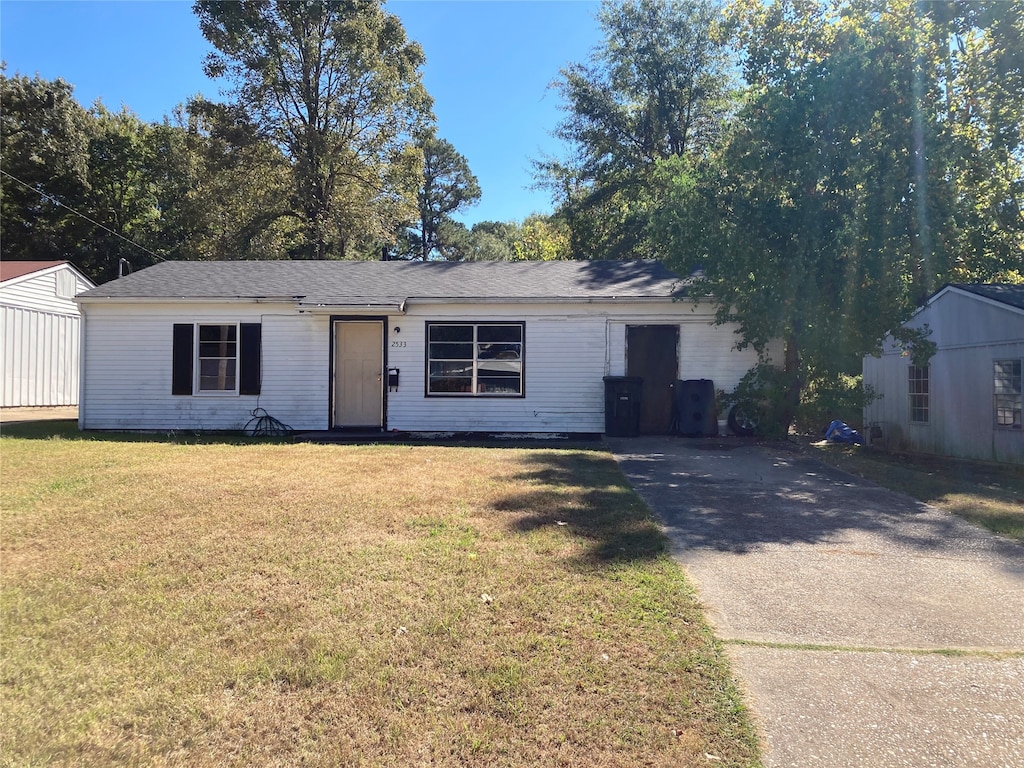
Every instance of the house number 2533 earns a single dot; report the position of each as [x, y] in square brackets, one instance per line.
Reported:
[397, 343]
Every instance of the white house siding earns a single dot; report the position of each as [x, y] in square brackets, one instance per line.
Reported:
[564, 362]
[569, 348]
[706, 350]
[40, 334]
[970, 334]
[127, 370]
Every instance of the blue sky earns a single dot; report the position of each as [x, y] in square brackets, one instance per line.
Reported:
[489, 67]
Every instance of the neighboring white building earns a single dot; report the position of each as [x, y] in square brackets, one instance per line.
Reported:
[409, 346]
[967, 401]
[39, 326]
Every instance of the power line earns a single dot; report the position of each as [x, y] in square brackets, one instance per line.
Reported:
[54, 200]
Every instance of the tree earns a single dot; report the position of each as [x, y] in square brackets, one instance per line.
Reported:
[835, 204]
[657, 88]
[448, 186]
[44, 153]
[224, 192]
[336, 86]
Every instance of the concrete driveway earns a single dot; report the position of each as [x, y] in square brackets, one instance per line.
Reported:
[868, 629]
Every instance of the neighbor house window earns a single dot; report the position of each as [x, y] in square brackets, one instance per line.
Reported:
[1007, 380]
[475, 359]
[919, 393]
[216, 358]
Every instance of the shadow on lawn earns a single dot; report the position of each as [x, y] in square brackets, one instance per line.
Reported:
[602, 508]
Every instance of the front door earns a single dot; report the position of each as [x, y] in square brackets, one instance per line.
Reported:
[358, 373]
[652, 353]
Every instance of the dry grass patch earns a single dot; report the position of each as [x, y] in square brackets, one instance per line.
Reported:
[268, 604]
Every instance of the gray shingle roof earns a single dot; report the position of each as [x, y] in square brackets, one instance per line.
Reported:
[1001, 292]
[379, 282]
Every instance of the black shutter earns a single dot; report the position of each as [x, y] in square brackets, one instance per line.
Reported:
[181, 360]
[249, 359]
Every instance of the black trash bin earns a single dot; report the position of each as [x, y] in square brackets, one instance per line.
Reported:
[694, 412]
[622, 405]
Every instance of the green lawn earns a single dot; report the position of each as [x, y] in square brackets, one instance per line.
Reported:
[208, 603]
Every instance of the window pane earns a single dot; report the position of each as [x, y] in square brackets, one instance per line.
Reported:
[443, 385]
[500, 333]
[498, 351]
[451, 333]
[217, 333]
[442, 368]
[1008, 393]
[500, 368]
[217, 349]
[490, 385]
[917, 378]
[217, 375]
[449, 351]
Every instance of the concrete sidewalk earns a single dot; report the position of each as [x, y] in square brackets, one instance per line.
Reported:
[868, 629]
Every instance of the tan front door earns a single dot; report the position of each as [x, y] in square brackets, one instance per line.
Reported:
[358, 373]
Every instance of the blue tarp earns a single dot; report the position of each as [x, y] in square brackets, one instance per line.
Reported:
[840, 432]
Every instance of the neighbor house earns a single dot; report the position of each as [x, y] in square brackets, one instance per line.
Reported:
[39, 325]
[966, 401]
[517, 347]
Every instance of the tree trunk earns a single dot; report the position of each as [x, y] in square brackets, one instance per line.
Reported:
[794, 386]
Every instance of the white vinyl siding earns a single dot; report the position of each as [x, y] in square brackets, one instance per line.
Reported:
[969, 333]
[128, 361]
[568, 351]
[39, 330]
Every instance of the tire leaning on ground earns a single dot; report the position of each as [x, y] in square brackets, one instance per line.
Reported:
[743, 419]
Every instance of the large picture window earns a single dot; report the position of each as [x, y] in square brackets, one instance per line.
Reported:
[475, 359]
[1008, 394]
[918, 388]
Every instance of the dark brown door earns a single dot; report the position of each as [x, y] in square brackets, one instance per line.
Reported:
[652, 353]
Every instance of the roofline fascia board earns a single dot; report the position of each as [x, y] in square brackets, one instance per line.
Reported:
[368, 309]
[552, 300]
[185, 300]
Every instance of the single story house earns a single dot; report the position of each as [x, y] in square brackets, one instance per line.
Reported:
[967, 401]
[39, 325]
[519, 347]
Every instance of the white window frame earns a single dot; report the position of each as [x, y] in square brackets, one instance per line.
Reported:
[1011, 401]
[921, 397]
[477, 362]
[197, 360]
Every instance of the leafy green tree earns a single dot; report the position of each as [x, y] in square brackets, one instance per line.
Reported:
[336, 86]
[837, 200]
[224, 191]
[44, 156]
[448, 187]
[655, 89]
